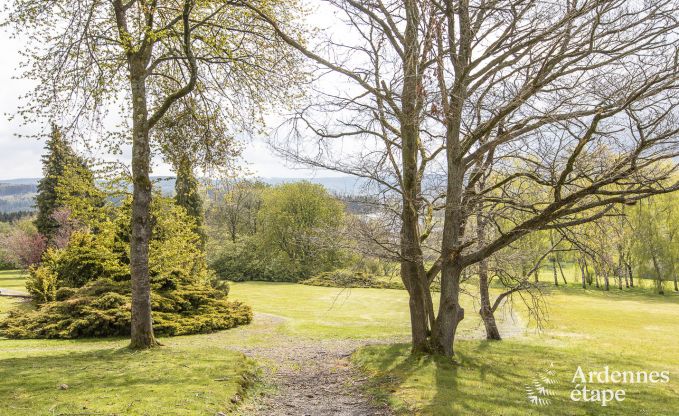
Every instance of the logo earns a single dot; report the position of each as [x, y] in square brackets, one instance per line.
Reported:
[540, 390]
[604, 387]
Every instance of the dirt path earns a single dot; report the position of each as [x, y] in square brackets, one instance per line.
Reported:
[315, 377]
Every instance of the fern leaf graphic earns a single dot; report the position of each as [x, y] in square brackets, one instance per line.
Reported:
[538, 392]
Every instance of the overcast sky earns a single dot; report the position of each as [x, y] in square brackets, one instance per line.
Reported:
[20, 157]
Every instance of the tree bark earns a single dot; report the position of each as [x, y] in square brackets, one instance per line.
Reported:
[658, 273]
[582, 274]
[629, 274]
[486, 312]
[412, 266]
[607, 285]
[142, 323]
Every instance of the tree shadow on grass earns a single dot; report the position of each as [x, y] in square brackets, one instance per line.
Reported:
[490, 378]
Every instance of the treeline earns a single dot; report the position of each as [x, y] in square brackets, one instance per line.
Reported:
[13, 216]
[12, 189]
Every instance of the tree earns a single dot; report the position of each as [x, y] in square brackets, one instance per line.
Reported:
[23, 244]
[58, 158]
[572, 102]
[187, 196]
[148, 57]
[303, 223]
[236, 208]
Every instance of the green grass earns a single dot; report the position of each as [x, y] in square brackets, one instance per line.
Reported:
[188, 376]
[13, 279]
[323, 312]
[592, 329]
[106, 378]
[193, 375]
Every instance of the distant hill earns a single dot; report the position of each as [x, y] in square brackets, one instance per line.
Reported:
[19, 194]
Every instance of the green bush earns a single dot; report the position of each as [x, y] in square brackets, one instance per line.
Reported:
[102, 308]
[42, 284]
[83, 290]
[349, 278]
[245, 260]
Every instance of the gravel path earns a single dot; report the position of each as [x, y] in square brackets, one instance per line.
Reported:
[14, 293]
[315, 377]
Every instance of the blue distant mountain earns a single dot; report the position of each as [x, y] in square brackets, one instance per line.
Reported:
[19, 194]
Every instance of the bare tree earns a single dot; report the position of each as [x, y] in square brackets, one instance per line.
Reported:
[574, 103]
[145, 56]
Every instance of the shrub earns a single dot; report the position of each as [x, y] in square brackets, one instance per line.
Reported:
[102, 308]
[42, 284]
[246, 260]
[84, 288]
[348, 278]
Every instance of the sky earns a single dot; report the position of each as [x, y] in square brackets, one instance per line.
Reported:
[20, 157]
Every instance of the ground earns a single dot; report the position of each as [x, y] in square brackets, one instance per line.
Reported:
[303, 338]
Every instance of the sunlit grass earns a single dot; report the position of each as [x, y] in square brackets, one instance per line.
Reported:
[13, 279]
[625, 331]
[327, 312]
[188, 376]
[628, 330]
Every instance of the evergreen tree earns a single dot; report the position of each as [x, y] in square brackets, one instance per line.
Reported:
[59, 162]
[188, 195]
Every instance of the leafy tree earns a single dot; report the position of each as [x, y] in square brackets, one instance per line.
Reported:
[297, 233]
[83, 289]
[22, 244]
[187, 196]
[656, 247]
[149, 57]
[302, 223]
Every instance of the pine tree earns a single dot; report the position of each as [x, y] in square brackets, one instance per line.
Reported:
[187, 195]
[56, 161]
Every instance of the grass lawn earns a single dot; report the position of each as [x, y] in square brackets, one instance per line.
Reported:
[195, 375]
[625, 331]
[189, 376]
[13, 279]
[326, 312]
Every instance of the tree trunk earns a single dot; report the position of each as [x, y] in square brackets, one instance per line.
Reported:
[417, 299]
[142, 323]
[450, 312]
[606, 282]
[582, 274]
[486, 312]
[629, 274]
[659, 281]
[556, 277]
[412, 266]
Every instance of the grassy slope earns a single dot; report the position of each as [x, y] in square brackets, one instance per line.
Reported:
[189, 376]
[633, 330]
[592, 329]
[322, 312]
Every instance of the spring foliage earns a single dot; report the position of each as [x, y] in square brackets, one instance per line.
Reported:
[298, 233]
[83, 290]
